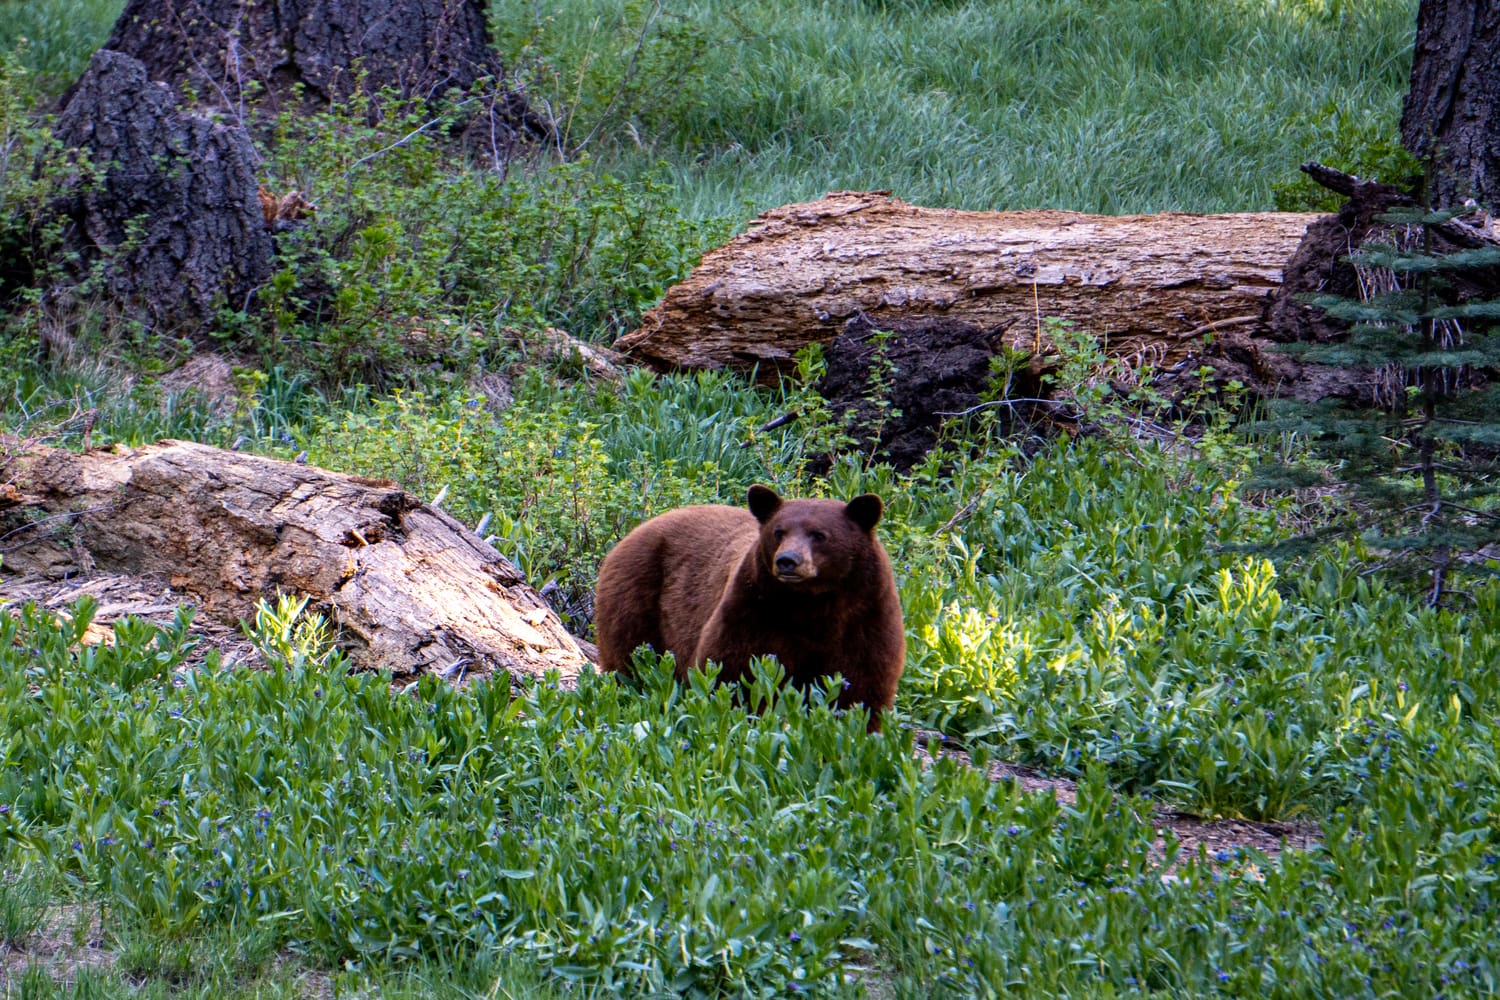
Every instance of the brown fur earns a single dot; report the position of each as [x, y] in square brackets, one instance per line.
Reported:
[805, 581]
[280, 213]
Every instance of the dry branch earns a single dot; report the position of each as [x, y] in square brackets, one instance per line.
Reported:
[410, 589]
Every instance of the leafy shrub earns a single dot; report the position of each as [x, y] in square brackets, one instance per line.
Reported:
[562, 474]
[1090, 610]
[32, 166]
[411, 259]
[1360, 144]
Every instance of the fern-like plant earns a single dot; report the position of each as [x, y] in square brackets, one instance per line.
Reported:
[1421, 458]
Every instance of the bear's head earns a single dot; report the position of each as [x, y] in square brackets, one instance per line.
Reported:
[814, 544]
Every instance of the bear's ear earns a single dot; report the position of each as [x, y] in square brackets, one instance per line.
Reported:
[864, 510]
[763, 502]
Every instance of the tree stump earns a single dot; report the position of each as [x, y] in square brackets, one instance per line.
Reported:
[410, 589]
[290, 52]
[172, 222]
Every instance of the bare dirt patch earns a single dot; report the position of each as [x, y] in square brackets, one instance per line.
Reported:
[1224, 840]
[69, 941]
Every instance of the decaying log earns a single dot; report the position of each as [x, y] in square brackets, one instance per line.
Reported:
[409, 588]
[1149, 286]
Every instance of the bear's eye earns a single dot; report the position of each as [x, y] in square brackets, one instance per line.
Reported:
[778, 533]
[817, 536]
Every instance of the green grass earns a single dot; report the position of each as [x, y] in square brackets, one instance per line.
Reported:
[57, 37]
[659, 839]
[1121, 106]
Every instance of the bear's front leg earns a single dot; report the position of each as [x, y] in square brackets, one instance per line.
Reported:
[718, 645]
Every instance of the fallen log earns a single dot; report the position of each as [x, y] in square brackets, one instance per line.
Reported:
[1149, 286]
[409, 589]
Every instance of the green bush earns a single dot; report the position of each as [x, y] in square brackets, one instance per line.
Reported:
[561, 473]
[412, 259]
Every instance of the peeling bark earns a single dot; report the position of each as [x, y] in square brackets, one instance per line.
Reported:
[1151, 287]
[409, 588]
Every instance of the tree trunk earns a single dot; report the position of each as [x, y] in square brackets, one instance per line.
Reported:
[321, 51]
[172, 222]
[410, 589]
[1452, 112]
[1149, 287]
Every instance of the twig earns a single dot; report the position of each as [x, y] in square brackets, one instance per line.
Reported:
[1036, 306]
[407, 137]
[780, 421]
[1055, 403]
[1212, 326]
[626, 78]
[963, 512]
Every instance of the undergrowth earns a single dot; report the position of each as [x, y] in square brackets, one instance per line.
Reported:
[661, 840]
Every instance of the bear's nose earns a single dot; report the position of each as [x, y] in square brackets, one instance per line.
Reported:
[786, 562]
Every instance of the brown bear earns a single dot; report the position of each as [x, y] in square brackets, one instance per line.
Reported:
[802, 580]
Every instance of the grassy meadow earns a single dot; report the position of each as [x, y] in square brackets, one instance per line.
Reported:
[1091, 607]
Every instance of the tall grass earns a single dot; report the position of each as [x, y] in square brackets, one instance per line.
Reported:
[1114, 106]
[1110, 106]
[58, 36]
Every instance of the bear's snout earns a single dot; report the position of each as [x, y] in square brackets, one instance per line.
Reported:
[794, 565]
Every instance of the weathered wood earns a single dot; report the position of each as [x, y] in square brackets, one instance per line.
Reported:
[1149, 286]
[409, 588]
